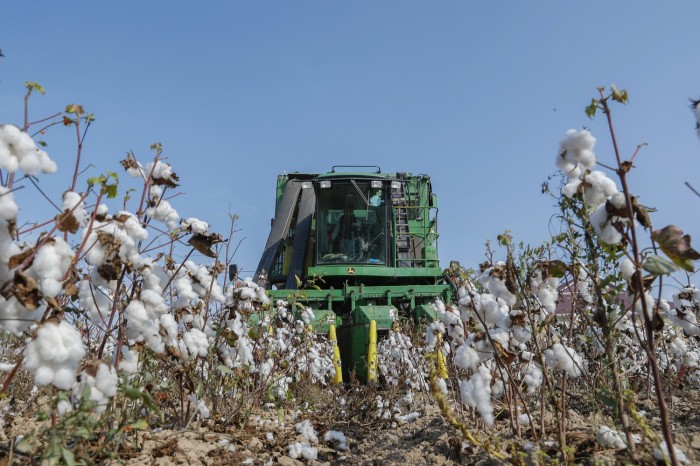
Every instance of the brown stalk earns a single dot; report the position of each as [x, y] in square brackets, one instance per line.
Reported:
[650, 343]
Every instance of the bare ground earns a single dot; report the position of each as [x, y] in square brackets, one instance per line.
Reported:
[429, 440]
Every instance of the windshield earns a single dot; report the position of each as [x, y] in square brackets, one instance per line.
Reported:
[351, 223]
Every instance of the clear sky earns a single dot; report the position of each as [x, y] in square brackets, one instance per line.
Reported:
[475, 94]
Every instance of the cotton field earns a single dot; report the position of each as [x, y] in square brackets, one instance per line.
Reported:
[118, 322]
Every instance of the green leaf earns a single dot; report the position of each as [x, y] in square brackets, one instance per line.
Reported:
[659, 265]
[619, 96]
[505, 239]
[32, 86]
[224, 370]
[75, 109]
[148, 403]
[132, 393]
[280, 415]
[141, 424]
[111, 191]
[557, 268]
[68, 456]
[84, 433]
[606, 400]
[592, 108]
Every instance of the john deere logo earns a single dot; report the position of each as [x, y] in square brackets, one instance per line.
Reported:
[351, 270]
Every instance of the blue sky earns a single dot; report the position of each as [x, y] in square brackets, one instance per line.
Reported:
[475, 94]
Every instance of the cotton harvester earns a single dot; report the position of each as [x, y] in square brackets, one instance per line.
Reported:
[368, 243]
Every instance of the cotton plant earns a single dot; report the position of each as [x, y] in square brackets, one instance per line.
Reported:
[276, 338]
[400, 363]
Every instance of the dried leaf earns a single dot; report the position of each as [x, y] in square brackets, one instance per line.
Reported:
[171, 181]
[204, 242]
[129, 162]
[625, 166]
[53, 303]
[17, 259]
[647, 281]
[641, 213]
[67, 222]
[110, 270]
[612, 210]
[657, 322]
[70, 287]
[505, 355]
[110, 244]
[25, 290]
[511, 280]
[677, 246]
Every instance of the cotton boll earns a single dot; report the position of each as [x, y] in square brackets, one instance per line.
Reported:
[43, 375]
[648, 303]
[573, 139]
[103, 386]
[337, 439]
[50, 265]
[201, 406]
[262, 296]
[18, 151]
[466, 357]
[63, 407]
[476, 392]
[597, 188]
[97, 302]
[627, 268]
[141, 326]
[16, 318]
[602, 224]
[130, 361]
[661, 453]
[307, 315]
[73, 201]
[57, 347]
[297, 450]
[609, 438]
[8, 208]
[571, 188]
[204, 283]
[197, 343]
[307, 430]
[194, 225]
[439, 307]
[454, 326]
[560, 357]
[162, 173]
[533, 377]
[164, 213]
[431, 334]
[493, 280]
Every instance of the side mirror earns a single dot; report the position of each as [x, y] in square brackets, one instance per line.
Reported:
[233, 272]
